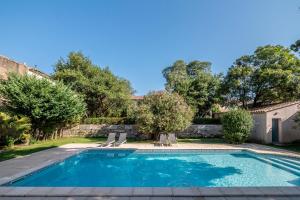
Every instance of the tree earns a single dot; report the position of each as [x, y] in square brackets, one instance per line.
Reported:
[49, 105]
[105, 94]
[195, 82]
[237, 83]
[163, 112]
[271, 74]
[237, 125]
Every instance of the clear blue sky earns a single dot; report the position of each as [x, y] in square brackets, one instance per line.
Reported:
[138, 38]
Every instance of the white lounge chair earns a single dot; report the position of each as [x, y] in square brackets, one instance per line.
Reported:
[122, 139]
[110, 140]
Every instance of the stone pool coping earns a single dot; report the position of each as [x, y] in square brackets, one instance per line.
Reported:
[149, 192]
[19, 167]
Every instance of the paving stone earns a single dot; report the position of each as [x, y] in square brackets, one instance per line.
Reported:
[161, 198]
[187, 198]
[60, 191]
[18, 191]
[230, 191]
[214, 198]
[142, 191]
[210, 191]
[290, 190]
[41, 191]
[100, 191]
[4, 190]
[185, 192]
[165, 191]
[271, 191]
[250, 191]
[81, 191]
[236, 198]
[139, 198]
[122, 191]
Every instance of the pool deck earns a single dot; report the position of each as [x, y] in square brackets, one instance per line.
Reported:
[18, 167]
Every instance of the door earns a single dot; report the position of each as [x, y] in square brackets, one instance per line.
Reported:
[275, 130]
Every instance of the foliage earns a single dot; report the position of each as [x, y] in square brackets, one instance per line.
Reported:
[105, 94]
[11, 127]
[49, 105]
[25, 138]
[271, 74]
[108, 120]
[163, 112]
[201, 120]
[296, 46]
[237, 125]
[195, 82]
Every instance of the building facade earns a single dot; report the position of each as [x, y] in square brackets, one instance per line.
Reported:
[276, 124]
[8, 65]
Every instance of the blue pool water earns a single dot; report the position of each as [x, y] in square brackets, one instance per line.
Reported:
[110, 168]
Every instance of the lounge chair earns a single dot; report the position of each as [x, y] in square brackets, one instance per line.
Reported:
[172, 138]
[122, 139]
[163, 140]
[110, 140]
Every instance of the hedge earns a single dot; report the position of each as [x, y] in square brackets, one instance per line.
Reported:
[200, 120]
[108, 120]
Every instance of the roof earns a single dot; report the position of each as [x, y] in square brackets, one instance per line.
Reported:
[273, 107]
[137, 97]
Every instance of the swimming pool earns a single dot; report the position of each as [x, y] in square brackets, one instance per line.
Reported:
[160, 168]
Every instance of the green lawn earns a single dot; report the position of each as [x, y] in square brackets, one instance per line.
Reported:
[42, 145]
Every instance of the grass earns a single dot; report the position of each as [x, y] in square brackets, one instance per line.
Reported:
[22, 150]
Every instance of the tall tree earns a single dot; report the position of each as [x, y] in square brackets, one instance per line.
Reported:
[195, 82]
[105, 94]
[271, 74]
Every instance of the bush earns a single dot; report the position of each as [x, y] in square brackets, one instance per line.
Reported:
[25, 138]
[49, 105]
[200, 120]
[108, 120]
[11, 127]
[237, 125]
[163, 113]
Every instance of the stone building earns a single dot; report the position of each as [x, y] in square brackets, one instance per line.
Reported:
[8, 65]
[276, 123]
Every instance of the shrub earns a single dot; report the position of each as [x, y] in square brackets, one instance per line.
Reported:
[11, 127]
[200, 120]
[237, 125]
[49, 105]
[163, 113]
[25, 138]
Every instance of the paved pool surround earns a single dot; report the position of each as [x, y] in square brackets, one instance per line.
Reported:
[16, 168]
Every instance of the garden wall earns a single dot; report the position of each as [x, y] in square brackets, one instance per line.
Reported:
[131, 130]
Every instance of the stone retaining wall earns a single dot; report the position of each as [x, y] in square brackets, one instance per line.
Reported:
[94, 130]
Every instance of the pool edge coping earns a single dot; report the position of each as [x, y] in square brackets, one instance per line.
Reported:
[149, 192]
